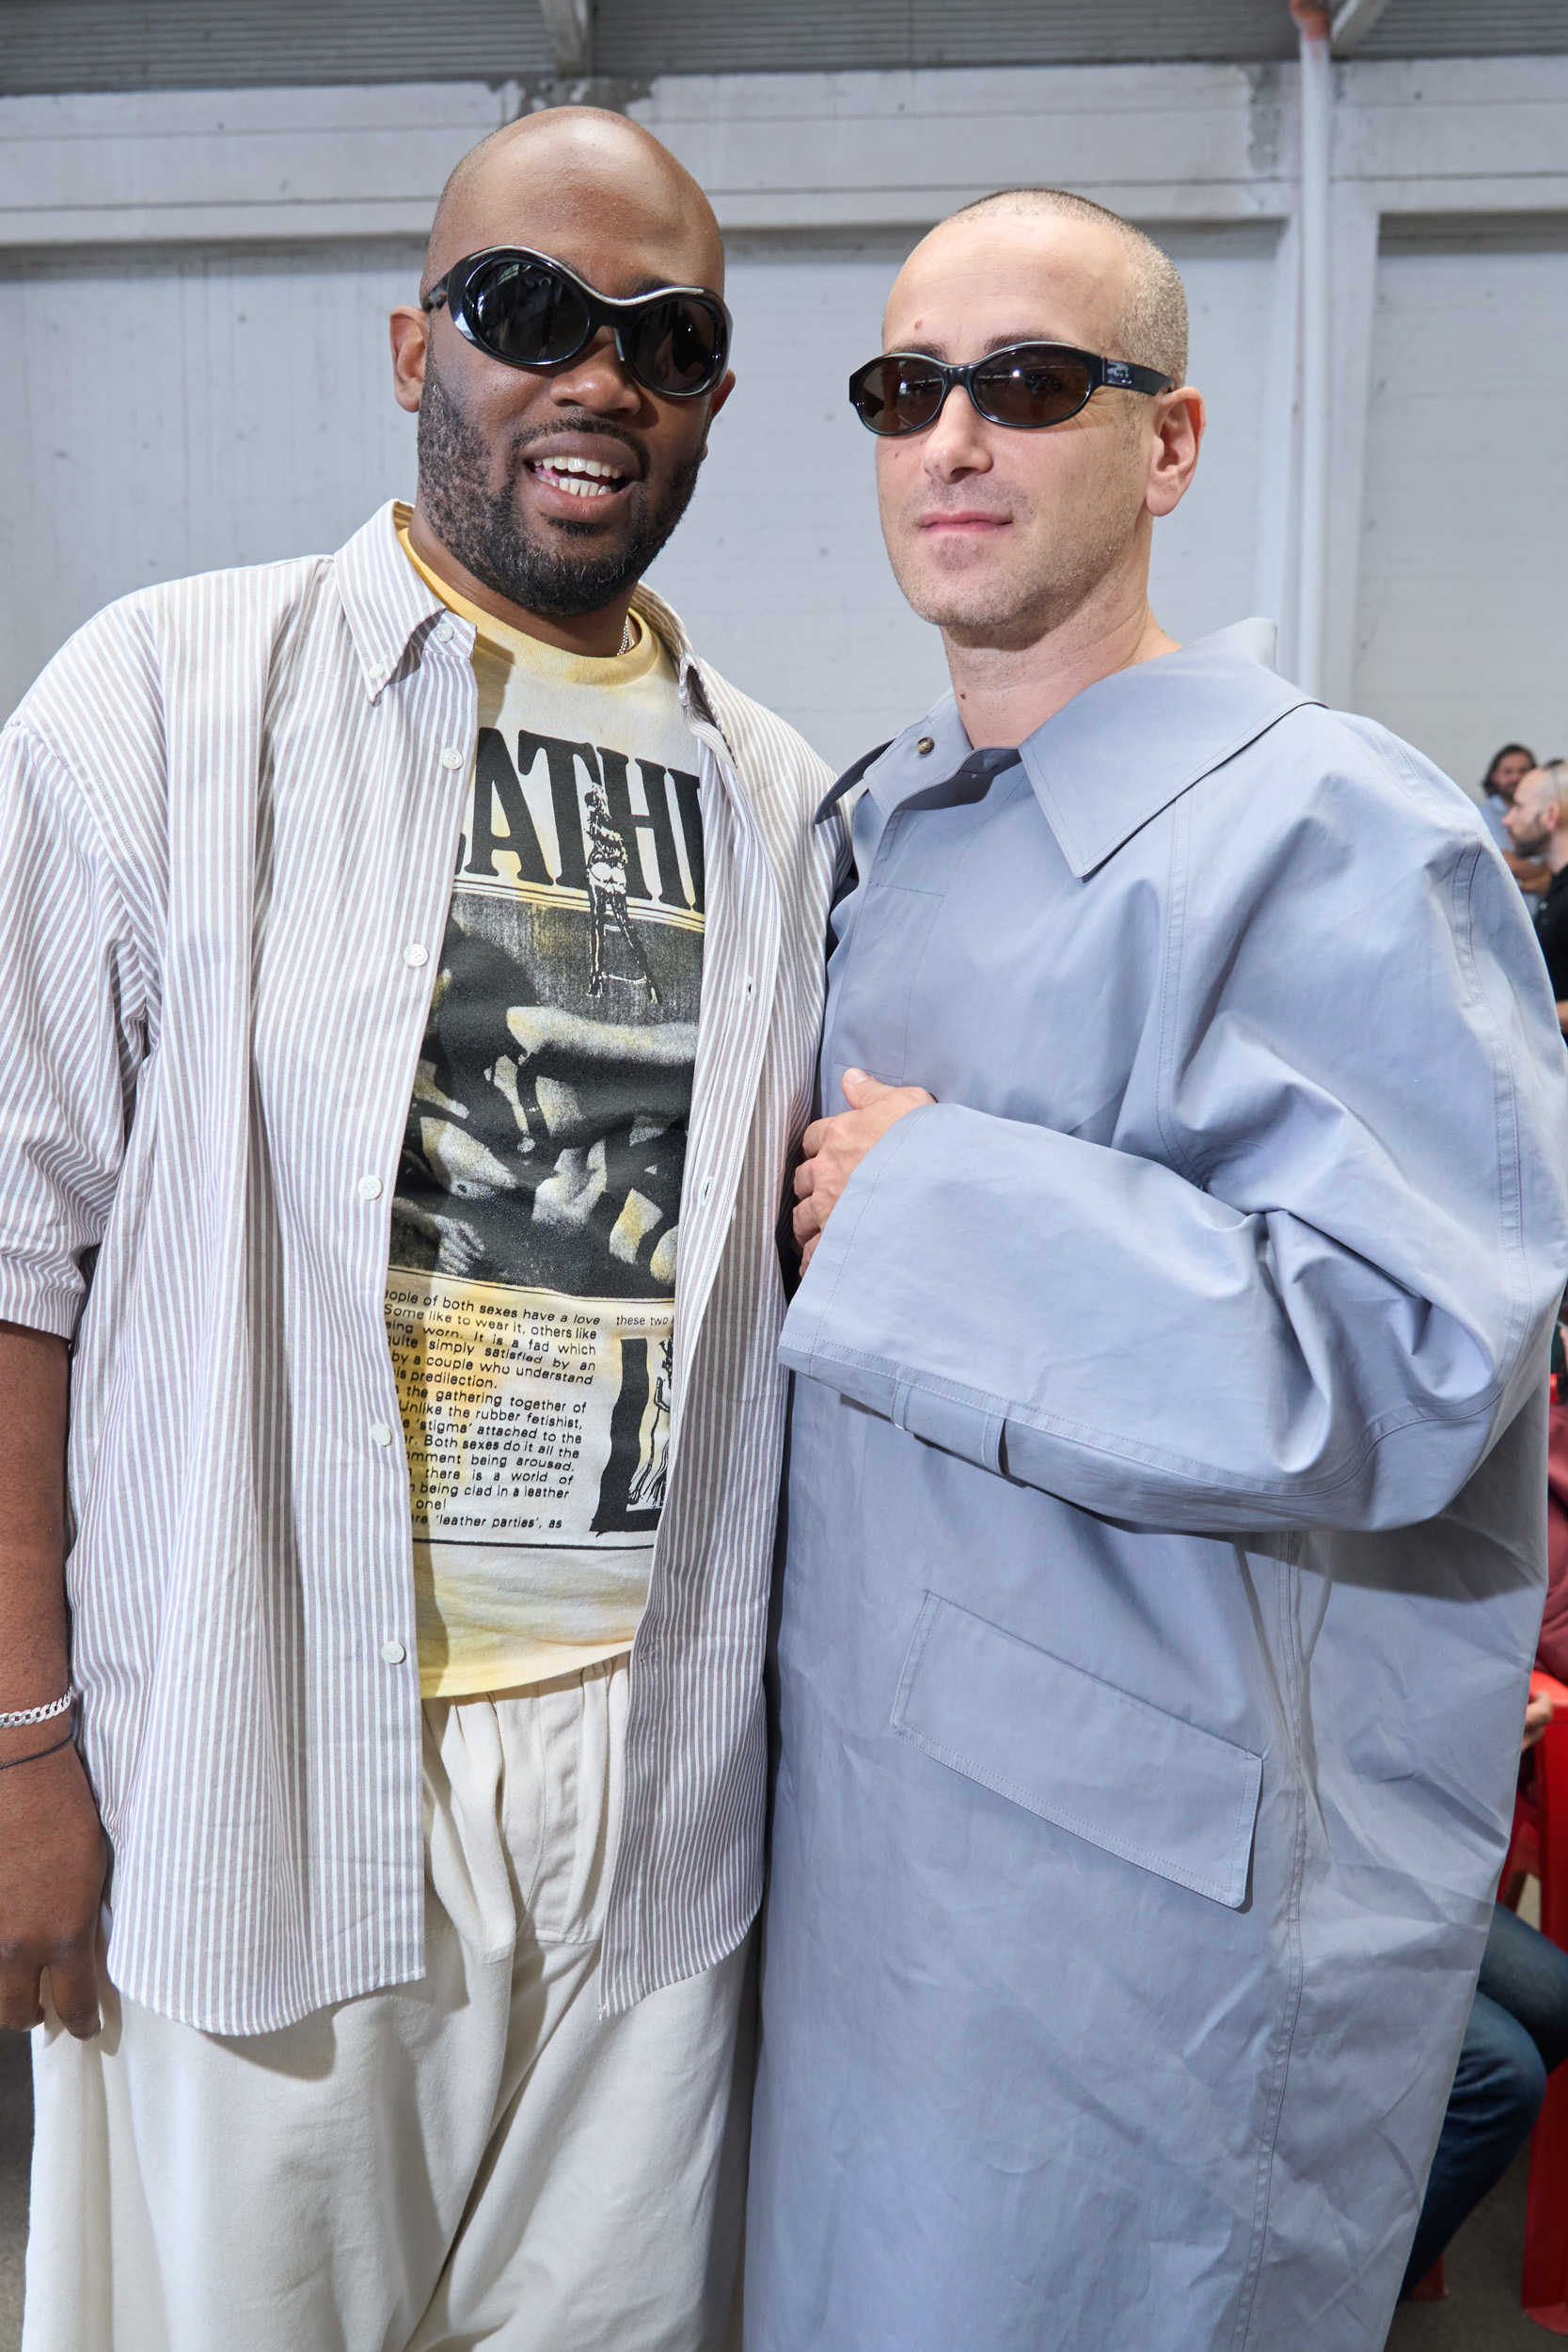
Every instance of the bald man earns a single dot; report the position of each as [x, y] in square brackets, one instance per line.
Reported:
[1536, 822]
[374, 1045]
[1164, 1557]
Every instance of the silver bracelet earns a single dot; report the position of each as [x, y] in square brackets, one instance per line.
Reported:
[39, 1714]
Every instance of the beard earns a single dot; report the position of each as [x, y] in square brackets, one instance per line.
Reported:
[482, 527]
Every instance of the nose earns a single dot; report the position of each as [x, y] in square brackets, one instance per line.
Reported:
[956, 443]
[596, 380]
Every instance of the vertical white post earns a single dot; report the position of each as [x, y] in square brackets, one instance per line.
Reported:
[1317, 131]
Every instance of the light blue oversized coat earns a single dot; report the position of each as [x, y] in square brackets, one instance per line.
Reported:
[1165, 1537]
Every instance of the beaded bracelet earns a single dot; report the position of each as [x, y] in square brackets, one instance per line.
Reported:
[37, 1714]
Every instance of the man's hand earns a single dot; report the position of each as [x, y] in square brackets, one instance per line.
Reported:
[1538, 1714]
[1531, 874]
[52, 1868]
[836, 1147]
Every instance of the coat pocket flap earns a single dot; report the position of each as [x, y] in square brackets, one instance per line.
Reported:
[1093, 1759]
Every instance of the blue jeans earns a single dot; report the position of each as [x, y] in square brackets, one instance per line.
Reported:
[1518, 2031]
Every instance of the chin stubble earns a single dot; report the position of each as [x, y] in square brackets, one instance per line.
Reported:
[483, 531]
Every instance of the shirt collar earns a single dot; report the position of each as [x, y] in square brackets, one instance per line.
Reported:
[385, 602]
[387, 605]
[1114, 756]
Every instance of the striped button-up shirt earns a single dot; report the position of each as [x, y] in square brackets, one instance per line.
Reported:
[230, 813]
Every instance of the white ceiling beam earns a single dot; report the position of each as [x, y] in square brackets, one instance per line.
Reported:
[568, 25]
[1353, 20]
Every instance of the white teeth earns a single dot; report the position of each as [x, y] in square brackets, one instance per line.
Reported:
[584, 477]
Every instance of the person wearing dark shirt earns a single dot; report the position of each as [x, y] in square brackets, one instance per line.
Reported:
[1537, 824]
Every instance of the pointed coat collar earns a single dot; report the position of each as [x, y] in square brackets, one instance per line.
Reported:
[1119, 752]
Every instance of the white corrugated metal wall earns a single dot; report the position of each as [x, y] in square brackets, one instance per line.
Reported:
[185, 386]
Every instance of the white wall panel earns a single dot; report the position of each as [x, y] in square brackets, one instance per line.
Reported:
[1462, 612]
[176, 412]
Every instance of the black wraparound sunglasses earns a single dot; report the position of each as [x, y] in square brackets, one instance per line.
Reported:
[532, 311]
[1027, 385]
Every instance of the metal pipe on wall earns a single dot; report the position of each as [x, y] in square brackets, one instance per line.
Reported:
[1317, 131]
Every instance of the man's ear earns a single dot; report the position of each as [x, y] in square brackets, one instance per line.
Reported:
[410, 333]
[1180, 418]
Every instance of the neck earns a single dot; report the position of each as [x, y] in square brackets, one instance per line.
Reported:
[1555, 853]
[1006, 691]
[598, 634]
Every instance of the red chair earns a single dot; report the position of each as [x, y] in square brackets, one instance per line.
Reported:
[1540, 1845]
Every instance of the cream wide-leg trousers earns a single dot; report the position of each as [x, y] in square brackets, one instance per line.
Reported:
[475, 2159]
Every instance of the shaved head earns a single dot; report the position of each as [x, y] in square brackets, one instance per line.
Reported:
[545, 492]
[1538, 813]
[1152, 319]
[1543, 788]
[531, 182]
[1006, 536]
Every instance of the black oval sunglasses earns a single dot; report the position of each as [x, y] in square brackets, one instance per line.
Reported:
[1028, 386]
[530, 310]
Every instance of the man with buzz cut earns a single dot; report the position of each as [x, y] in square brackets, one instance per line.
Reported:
[1164, 1557]
[411, 980]
[1536, 822]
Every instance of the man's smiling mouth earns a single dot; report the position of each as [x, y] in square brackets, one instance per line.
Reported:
[580, 477]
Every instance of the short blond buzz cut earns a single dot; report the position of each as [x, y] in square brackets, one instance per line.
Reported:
[1152, 329]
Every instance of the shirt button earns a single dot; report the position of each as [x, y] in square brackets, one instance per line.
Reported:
[445, 632]
[380, 1434]
[415, 954]
[393, 1652]
[451, 757]
[370, 1187]
[376, 670]
[927, 744]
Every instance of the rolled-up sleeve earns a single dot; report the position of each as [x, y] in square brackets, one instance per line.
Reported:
[1311, 1277]
[72, 1036]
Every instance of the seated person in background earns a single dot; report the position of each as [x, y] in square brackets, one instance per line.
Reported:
[1507, 770]
[1551, 1650]
[1517, 2033]
[1537, 823]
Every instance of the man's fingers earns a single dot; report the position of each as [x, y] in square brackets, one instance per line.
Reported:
[809, 1252]
[73, 1988]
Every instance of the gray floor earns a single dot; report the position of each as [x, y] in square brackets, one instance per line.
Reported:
[1481, 2313]
[16, 2134]
[1484, 2268]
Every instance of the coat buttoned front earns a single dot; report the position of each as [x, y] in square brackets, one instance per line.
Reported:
[1165, 1537]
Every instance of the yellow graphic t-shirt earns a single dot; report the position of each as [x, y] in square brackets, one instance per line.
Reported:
[531, 1290]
